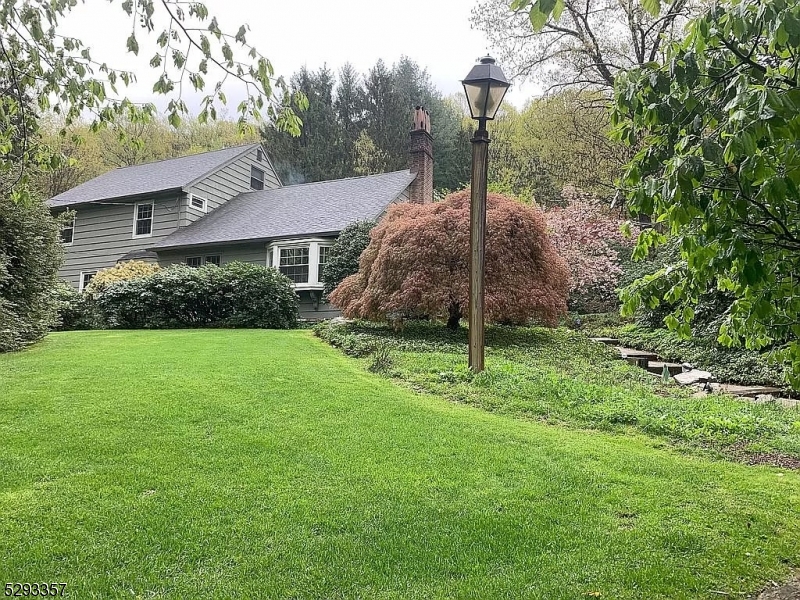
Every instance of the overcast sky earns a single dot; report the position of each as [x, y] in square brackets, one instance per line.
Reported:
[292, 33]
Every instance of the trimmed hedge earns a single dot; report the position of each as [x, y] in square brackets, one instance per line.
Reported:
[234, 295]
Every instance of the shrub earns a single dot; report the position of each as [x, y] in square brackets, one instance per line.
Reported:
[417, 264]
[75, 310]
[234, 295]
[590, 239]
[344, 254]
[120, 272]
[30, 255]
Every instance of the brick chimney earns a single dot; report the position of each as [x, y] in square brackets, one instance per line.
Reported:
[421, 159]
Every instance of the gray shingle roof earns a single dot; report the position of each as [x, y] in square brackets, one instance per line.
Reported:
[150, 178]
[294, 211]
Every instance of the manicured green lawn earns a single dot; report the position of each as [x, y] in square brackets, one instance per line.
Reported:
[561, 377]
[248, 464]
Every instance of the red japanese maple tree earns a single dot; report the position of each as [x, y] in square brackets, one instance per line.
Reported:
[417, 263]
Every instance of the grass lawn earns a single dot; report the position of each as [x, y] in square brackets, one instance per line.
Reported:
[249, 464]
[561, 377]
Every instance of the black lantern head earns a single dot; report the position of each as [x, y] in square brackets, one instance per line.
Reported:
[485, 86]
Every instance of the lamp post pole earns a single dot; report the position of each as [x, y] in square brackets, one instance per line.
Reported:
[477, 245]
[485, 87]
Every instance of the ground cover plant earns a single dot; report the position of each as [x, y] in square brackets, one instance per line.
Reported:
[255, 479]
[731, 365]
[562, 377]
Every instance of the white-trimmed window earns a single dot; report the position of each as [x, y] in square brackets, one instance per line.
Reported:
[324, 253]
[301, 260]
[86, 277]
[294, 263]
[68, 232]
[256, 178]
[199, 261]
[197, 203]
[143, 219]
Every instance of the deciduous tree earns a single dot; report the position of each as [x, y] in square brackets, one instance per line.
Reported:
[60, 72]
[417, 264]
[578, 43]
[720, 168]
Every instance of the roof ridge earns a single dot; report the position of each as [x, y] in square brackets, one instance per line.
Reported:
[295, 185]
[161, 160]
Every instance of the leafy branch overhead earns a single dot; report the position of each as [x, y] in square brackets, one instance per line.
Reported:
[58, 73]
[540, 11]
[720, 168]
[578, 43]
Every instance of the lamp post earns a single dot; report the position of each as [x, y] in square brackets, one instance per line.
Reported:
[485, 87]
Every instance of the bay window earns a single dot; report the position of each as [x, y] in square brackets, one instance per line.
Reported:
[301, 260]
[294, 263]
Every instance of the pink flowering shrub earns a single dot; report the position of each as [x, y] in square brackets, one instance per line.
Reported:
[588, 236]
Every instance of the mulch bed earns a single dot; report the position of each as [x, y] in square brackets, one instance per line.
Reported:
[787, 591]
[739, 453]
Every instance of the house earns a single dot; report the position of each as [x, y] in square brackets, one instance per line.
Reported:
[230, 205]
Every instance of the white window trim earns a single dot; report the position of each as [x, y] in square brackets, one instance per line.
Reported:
[191, 197]
[203, 258]
[319, 273]
[152, 219]
[263, 178]
[74, 220]
[313, 245]
[80, 281]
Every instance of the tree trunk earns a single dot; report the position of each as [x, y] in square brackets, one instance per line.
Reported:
[454, 317]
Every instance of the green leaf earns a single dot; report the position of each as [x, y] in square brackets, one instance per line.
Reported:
[558, 8]
[537, 18]
[133, 45]
[652, 6]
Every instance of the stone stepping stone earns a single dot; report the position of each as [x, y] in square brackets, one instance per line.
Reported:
[657, 367]
[629, 353]
[692, 377]
[749, 391]
[605, 340]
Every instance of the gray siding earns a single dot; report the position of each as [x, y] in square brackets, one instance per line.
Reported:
[227, 183]
[104, 233]
[405, 196]
[313, 311]
[249, 253]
